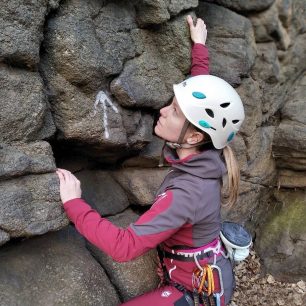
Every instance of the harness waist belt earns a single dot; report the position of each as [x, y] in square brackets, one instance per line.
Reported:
[187, 256]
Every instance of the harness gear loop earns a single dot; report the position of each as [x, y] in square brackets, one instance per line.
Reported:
[197, 262]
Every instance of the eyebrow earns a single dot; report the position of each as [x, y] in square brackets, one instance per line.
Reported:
[177, 106]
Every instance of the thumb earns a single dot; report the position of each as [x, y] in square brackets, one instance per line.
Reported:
[190, 21]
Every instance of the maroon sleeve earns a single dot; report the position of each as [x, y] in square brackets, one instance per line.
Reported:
[146, 233]
[200, 60]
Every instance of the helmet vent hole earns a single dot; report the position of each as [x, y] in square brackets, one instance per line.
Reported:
[225, 105]
[224, 122]
[235, 121]
[209, 112]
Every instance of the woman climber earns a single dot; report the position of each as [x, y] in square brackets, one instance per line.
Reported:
[184, 222]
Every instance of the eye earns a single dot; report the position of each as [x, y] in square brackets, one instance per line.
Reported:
[235, 121]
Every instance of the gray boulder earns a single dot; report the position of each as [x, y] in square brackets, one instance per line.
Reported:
[269, 27]
[292, 179]
[147, 80]
[54, 269]
[176, 6]
[76, 116]
[251, 96]
[88, 40]
[248, 204]
[24, 112]
[267, 67]
[134, 277]
[31, 205]
[20, 159]
[102, 192]
[244, 5]
[140, 185]
[261, 164]
[150, 12]
[139, 128]
[21, 30]
[289, 144]
[226, 59]
[149, 156]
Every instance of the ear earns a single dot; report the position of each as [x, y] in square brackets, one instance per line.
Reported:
[195, 137]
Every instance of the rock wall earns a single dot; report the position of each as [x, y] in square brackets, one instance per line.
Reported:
[81, 86]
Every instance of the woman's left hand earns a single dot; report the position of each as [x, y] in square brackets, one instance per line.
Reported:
[70, 186]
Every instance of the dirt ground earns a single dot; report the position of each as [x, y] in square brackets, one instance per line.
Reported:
[253, 288]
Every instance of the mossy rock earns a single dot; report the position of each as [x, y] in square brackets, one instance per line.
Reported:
[281, 240]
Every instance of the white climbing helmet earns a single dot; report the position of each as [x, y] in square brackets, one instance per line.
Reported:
[212, 105]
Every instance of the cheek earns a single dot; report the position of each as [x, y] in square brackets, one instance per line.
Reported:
[170, 130]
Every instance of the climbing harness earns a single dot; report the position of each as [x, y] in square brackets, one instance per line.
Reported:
[206, 279]
[236, 239]
[207, 282]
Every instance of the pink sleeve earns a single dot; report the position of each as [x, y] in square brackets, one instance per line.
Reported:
[121, 244]
[200, 60]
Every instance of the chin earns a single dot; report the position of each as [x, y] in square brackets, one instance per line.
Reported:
[156, 131]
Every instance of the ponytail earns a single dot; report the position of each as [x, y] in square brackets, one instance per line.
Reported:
[233, 172]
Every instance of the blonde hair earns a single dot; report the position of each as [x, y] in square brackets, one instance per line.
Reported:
[230, 190]
[233, 178]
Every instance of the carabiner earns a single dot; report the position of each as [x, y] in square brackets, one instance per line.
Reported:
[220, 279]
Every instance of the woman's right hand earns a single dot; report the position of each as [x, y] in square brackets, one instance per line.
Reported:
[70, 186]
[198, 32]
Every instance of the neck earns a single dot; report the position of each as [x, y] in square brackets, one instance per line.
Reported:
[184, 152]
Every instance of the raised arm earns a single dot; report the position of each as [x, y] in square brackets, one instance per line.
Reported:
[200, 57]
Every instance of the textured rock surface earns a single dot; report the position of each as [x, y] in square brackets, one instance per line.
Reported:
[30, 205]
[21, 159]
[244, 5]
[24, 113]
[282, 239]
[54, 269]
[140, 184]
[289, 144]
[57, 63]
[149, 156]
[126, 276]
[21, 30]
[269, 26]
[147, 80]
[102, 192]
[227, 60]
[156, 12]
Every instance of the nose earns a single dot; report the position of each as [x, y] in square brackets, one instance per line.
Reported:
[163, 111]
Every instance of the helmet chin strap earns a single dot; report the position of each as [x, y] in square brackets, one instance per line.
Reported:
[179, 144]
